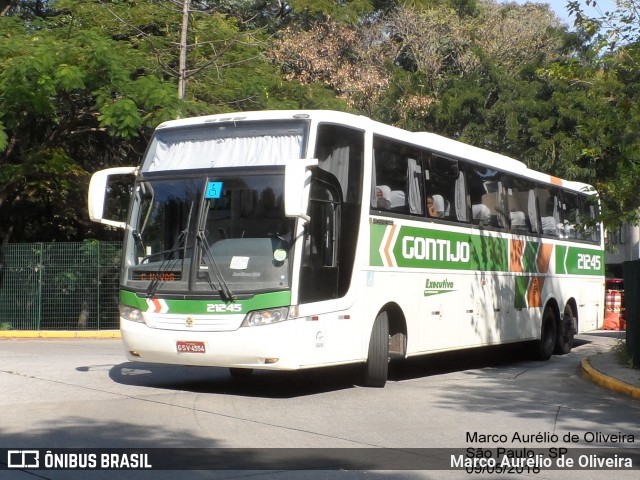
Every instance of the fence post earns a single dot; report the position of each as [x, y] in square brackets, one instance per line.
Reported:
[631, 275]
[40, 280]
[98, 286]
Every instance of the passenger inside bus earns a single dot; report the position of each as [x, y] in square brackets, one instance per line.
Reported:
[431, 211]
[436, 206]
[388, 199]
[383, 196]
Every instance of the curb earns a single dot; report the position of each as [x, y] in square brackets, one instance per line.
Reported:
[607, 382]
[59, 334]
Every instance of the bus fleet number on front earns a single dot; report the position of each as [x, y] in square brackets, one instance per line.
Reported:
[223, 308]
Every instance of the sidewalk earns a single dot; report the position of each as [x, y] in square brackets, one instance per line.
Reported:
[59, 334]
[604, 369]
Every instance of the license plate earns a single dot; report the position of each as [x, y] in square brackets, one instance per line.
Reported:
[190, 347]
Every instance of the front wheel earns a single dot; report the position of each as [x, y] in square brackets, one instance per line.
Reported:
[376, 367]
[548, 335]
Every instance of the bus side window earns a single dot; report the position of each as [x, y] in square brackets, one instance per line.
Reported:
[446, 189]
[395, 184]
[549, 202]
[487, 194]
[523, 208]
[570, 215]
[589, 214]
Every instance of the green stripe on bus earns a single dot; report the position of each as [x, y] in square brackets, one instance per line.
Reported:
[529, 257]
[520, 297]
[415, 247]
[489, 253]
[561, 251]
[376, 234]
[579, 261]
[422, 248]
[197, 307]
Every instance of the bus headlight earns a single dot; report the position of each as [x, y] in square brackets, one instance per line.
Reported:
[130, 313]
[266, 317]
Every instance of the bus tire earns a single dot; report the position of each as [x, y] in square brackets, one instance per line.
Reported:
[548, 335]
[566, 332]
[376, 368]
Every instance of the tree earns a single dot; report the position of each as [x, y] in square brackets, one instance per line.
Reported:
[610, 28]
[424, 46]
[602, 101]
[336, 55]
[70, 102]
[611, 146]
[505, 77]
[82, 86]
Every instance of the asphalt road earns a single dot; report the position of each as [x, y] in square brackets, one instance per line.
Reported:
[83, 393]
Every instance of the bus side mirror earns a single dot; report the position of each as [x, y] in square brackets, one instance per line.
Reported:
[98, 190]
[297, 182]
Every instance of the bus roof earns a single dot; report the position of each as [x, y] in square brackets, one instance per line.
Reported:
[432, 141]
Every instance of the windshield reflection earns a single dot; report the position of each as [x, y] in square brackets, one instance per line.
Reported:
[222, 234]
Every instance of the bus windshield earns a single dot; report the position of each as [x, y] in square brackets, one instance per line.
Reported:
[224, 233]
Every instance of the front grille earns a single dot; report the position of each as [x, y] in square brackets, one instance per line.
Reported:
[194, 323]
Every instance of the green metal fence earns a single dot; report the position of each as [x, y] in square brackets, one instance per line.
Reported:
[60, 286]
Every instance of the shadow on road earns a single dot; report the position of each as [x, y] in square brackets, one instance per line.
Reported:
[213, 380]
[278, 384]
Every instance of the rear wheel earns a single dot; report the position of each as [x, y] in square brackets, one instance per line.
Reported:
[566, 331]
[548, 334]
[376, 367]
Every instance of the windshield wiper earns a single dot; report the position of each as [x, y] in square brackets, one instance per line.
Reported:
[205, 248]
[207, 256]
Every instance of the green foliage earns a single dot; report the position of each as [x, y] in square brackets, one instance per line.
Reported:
[345, 10]
[569, 111]
[82, 84]
[70, 97]
[621, 352]
[572, 120]
[122, 117]
[3, 138]
[69, 78]
[610, 28]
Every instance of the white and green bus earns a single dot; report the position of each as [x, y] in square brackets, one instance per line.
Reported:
[287, 240]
